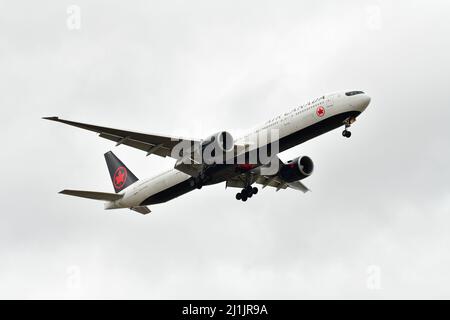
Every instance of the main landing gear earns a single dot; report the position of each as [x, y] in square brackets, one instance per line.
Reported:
[246, 193]
[198, 181]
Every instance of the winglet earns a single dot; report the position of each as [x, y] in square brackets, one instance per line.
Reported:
[51, 118]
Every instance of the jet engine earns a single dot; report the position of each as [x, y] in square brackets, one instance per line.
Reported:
[297, 169]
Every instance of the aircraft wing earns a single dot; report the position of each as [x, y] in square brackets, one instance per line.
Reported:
[265, 181]
[150, 143]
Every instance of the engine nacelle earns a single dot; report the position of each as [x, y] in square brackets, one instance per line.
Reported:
[216, 146]
[297, 169]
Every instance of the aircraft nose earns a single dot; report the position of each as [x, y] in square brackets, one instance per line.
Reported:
[364, 102]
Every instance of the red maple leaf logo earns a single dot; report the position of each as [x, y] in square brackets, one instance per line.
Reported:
[120, 176]
[320, 111]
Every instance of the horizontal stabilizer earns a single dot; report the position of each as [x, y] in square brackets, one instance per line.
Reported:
[93, 195]
[141, 209]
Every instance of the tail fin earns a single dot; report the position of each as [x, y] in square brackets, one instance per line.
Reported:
[121, 177]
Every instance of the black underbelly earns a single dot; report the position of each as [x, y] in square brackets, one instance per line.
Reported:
[315, 130]
[287, 142]
[170, 193]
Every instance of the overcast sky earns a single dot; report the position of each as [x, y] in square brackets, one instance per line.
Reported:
[376, 224]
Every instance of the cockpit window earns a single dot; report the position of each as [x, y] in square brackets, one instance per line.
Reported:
[353, 93]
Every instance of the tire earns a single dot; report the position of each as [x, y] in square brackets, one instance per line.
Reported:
[238, 196]
[244, 197]
[255, 190]
[349, 134]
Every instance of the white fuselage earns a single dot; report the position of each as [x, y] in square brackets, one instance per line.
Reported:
[287, 124]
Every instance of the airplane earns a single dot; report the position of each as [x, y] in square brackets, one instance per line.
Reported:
[239, 163]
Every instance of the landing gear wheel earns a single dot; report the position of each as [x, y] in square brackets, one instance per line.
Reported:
[246, 193]
[346, 133]
[199, 180]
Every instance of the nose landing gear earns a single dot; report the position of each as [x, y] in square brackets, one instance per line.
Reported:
[346, 133]
[347, 124]
[246, 193]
